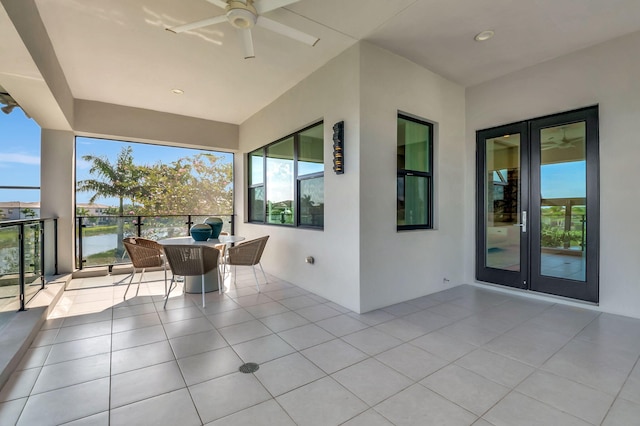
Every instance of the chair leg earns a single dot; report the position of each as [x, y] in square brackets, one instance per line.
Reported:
[165, 277]
[128, 285]
[203, 304]
[253, 268]
[220, 282]
[224, 267]
[263, 274]
[140, 281]
[166, 299]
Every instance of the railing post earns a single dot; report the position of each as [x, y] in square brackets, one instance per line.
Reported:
[583, 221]
[42, 254]
[567, 224]
[21, 264]
[55, 245]
[139, 226]
[80, 256]
[189, 223]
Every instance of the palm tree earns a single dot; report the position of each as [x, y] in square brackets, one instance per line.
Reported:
[81, 211]
[121, 180]
[28, 213]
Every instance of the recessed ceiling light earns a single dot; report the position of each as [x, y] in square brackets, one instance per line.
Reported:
[484, 35]
[177, 91]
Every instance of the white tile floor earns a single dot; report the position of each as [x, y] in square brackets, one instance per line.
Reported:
[460, 357]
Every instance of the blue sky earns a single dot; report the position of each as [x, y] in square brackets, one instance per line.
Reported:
[20, 157]
[564, 180]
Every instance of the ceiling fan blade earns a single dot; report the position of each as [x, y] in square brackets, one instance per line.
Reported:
[220, 3]
[247, 43]
[285, 30]
[198, 24]
[264, 6]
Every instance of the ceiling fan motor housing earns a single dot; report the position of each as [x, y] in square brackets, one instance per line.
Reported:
[242, 15]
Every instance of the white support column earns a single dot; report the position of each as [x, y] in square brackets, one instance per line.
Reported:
[57, 183]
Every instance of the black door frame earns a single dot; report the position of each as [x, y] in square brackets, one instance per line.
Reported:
[529, 276]
[493, 275]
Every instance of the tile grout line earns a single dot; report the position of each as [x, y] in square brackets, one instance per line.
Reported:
[637, 363]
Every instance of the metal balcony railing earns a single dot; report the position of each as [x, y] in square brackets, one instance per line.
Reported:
[28, 251]
[99, 238]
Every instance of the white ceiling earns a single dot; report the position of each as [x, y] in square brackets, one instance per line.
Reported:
[117, 51]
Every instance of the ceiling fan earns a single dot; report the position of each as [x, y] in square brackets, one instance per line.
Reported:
[563, 143]
[9, 103]
[244, 15]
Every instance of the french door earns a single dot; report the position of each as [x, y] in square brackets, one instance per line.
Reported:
[537, 205]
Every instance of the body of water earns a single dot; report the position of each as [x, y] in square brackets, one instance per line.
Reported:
[98, 244]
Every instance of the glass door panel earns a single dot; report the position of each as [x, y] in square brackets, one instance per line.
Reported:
[502, 189]
[565, 205]
[562, 197]
[502, 194]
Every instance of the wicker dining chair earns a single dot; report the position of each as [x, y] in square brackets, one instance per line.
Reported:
[189, 261]
[143, 254]
[222, 261]
[248, 253]
[222, 247]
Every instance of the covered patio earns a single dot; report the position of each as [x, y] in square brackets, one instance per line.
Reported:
[387, 325]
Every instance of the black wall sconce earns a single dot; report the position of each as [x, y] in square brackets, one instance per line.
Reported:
[338, 147]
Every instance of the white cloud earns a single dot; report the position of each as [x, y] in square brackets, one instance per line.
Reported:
[20, 159]
[83, 164]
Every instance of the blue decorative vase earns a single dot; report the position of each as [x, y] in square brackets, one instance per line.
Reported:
[201, 232]
[216, 226]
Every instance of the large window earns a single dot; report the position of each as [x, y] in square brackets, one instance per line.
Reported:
[286, 180]
[415, 174]
[144, 179]
[19, 166]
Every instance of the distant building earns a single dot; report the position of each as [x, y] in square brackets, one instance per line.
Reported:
[93, 209]
[14, 210]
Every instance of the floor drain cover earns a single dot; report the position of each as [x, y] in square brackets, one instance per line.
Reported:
[250, 367]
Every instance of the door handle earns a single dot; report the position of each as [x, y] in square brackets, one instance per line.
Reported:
[523, 224]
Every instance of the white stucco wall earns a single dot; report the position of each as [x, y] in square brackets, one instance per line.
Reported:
[98, 119]
[398, 266]
[329, 94]
[361, 261]
[608, 75]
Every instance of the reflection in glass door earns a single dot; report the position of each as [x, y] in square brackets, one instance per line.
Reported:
[538, 205]
[502, 191]
[562, 198]
[565, 204]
